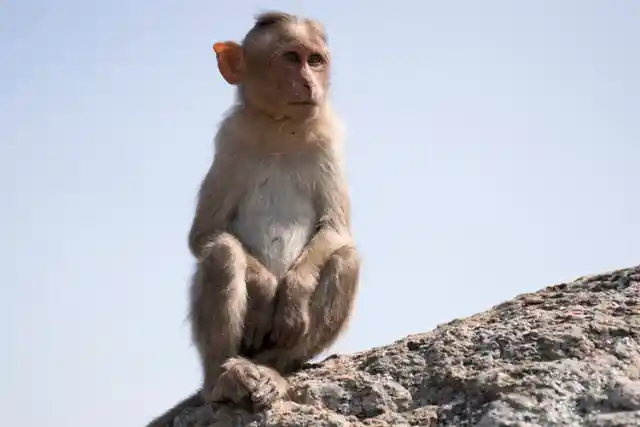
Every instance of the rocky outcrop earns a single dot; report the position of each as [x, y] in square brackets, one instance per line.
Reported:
[568, 355]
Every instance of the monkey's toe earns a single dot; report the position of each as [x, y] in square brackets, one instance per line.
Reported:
[249, 374]
[265, 394]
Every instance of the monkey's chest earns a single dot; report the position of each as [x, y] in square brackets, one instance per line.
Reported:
[277, 218]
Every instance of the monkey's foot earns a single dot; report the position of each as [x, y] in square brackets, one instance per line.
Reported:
[264, 394]
[242, 378]
[271, 388]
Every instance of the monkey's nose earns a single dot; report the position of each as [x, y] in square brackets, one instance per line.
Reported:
[309, 90]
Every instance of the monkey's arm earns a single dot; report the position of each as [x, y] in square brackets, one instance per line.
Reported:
[333, 233]
[217, 200]
[292, 315]
[214, 208]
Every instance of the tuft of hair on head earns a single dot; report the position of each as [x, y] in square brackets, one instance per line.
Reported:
[267, 19]
[270, 19]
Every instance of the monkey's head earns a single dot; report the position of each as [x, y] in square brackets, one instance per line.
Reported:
[281, 67]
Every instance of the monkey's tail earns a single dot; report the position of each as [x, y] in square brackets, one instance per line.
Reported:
[166, 419]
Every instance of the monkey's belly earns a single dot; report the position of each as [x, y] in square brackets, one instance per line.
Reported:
[275, 222]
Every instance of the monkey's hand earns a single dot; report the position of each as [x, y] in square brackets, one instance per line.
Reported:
[261, 289]
[291, 316]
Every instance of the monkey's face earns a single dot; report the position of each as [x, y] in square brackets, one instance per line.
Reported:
[291, 81]
[281, 69]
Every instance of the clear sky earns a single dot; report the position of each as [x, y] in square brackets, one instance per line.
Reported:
[492, 149]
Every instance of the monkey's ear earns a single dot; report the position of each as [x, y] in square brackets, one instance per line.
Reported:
[230, 61]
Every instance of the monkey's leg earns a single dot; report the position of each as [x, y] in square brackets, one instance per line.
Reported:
[261, 289]
[330, 308]
[218, 307]
[331, 304]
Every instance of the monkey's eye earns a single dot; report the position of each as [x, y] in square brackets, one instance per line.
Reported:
[292, 57]
[315, 59]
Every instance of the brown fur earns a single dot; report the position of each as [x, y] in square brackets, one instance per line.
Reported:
[277, 270]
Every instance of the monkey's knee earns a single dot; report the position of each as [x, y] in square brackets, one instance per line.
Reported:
[345, 258]
[220, 272]
[339, 277]
[224, 249]
[219, 281]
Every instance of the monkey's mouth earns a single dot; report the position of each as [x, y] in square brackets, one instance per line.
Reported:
[303, 103]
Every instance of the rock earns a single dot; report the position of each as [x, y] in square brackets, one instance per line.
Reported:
[568, 355]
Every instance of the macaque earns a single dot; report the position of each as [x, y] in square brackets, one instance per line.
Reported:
[277, 269]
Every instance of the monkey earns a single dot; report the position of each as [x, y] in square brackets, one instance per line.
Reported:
[277, 270]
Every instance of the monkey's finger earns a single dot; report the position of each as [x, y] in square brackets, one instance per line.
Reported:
[286, 340]
[262, 383]
[292, 338]
[265, 400]
[282, 336]
[254, 376]
[258, 390]
[259, 335]
[274, 336]
[248, 337]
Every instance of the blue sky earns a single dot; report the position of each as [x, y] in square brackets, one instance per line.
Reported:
[492, 149]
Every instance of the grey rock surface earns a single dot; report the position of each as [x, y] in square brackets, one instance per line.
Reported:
[567, 355]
